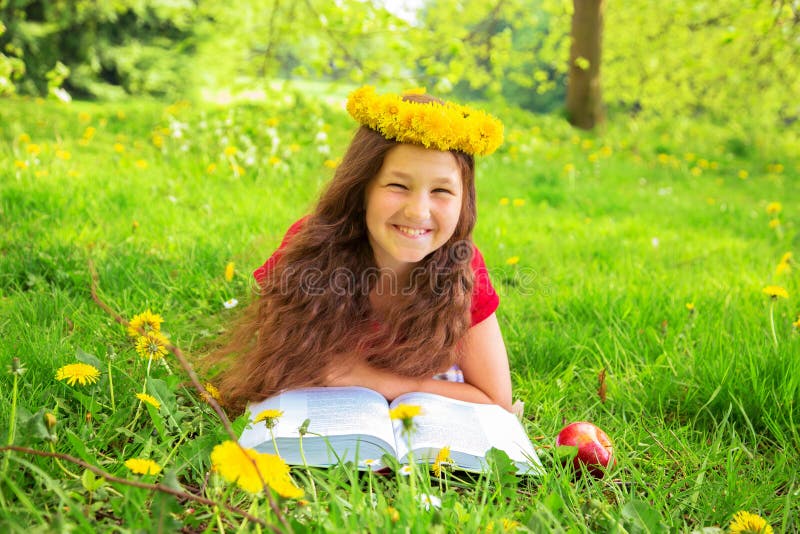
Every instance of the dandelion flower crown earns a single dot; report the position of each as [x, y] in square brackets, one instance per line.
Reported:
[443, 126]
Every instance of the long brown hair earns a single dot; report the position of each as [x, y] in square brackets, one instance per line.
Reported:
[313, 310]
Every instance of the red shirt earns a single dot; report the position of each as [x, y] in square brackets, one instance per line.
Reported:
[484, 298]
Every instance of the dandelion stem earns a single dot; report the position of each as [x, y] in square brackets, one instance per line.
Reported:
[111, 387]
[308, 471]
[412, 476]
[12, 422]
[274, 444]
[60, 465]
[772, 322]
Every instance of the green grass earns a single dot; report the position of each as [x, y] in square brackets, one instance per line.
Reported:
[612, 245]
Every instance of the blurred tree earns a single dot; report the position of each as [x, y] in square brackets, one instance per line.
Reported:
[108, 48]
[584, 103]
[11, 67]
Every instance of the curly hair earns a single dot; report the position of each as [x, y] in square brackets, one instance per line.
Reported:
[313, 311]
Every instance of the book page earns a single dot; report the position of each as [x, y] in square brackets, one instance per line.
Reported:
[333, 411]
[468, 428]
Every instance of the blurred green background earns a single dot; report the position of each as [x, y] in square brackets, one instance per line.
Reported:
[730, 60]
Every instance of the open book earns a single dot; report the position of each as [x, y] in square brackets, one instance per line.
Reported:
[353, 424]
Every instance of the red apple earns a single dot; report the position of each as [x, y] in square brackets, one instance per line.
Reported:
[595, 450]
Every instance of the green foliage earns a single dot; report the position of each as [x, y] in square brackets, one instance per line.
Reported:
[11, 67]
[720, 59]
[613, 235]
[726, 59]
[105, 49]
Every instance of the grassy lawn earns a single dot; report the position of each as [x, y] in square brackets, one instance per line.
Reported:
[641, 251]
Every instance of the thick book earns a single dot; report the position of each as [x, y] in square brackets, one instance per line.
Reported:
[352, 424]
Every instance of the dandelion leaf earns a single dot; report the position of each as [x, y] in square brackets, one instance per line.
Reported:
[641, 517]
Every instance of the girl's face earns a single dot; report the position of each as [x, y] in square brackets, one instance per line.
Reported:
[413, 205]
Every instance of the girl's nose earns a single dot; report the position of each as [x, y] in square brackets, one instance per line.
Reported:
[417, 208]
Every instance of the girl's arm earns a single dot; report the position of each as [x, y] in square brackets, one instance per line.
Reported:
[487, 379]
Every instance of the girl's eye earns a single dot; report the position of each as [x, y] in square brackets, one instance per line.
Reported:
[442, 190]
[393, 184]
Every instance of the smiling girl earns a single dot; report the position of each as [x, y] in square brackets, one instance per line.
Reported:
[381, 285]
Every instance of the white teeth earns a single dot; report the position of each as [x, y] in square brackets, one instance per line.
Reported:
[413, 232]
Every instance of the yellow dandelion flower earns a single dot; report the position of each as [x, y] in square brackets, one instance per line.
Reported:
[24, 138]
[152, 345]
[696, 171]
[146, 321]
[274, 160]
[72, 173]
[33, 149]
[406, 414]
[743, 174]
[272, 122]
[237, 170]
[747, 523]
[504, 201]
[157, 140]
[211, 391]
[294, 148]
[230, 151]
[243, 466]
[442, 458]
[586, 144]
[776, 168]
[229, 271]
[89, 132]
[82, 373]
[42, 172]
[394, 515]
[569, 168]
[509, 525]
[689, 156]
[783, 268]
[50, 420]
[84, 117]
[513, 260]
[776, 292]
[796, 324]
[518, 202]
[774, 223]
[405, 411]
[690, 306]
[269, 417]
[143, 466]
[774, 207]
[21, 164]
[140, 164]
[211, 168]
[63, 155]
[149, 399]
[119, 148]
[331, 163]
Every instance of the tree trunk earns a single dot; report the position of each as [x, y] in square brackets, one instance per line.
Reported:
[584, 104]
